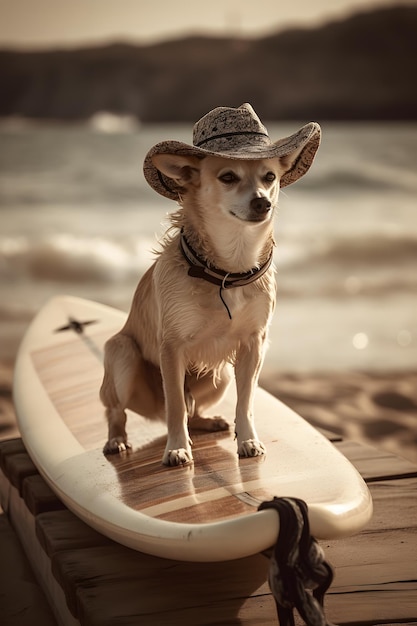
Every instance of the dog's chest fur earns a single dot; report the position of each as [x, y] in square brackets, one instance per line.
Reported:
[198, 320]
[188, 312]
[210, 340]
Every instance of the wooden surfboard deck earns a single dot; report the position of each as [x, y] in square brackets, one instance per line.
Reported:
[206, 511]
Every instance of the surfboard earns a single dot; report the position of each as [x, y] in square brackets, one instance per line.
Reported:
[205, 511]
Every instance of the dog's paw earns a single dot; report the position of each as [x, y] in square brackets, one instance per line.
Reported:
[174, 458]
[116, 445]
[209, 424]
[217, 423]
[250, 448]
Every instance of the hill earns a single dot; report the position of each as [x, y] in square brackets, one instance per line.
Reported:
[359, 68]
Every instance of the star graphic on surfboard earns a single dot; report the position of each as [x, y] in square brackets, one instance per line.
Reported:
[75, 325]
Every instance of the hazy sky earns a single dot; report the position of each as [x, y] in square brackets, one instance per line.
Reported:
[41, 23]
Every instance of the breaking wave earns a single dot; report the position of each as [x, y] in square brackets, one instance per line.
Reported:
[377, 249]
[373, 179]
[67, 258]
[382, 261]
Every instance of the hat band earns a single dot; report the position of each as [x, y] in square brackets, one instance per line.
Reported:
[227, 135]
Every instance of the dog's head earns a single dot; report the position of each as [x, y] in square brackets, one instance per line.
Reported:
[242, 190]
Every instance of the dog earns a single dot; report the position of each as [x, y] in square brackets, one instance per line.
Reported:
[201, 312]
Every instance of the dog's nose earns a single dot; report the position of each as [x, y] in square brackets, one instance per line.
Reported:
[260, 205]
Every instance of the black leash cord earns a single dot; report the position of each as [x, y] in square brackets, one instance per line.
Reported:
[299, 575]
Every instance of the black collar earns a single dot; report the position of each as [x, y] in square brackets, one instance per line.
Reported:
[200, 269]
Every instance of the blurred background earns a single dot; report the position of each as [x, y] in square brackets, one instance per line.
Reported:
[87, 87]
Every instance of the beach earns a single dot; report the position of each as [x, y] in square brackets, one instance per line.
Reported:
[77, 218]
[374, 408]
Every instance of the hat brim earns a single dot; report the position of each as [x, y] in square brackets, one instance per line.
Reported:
[307, 139]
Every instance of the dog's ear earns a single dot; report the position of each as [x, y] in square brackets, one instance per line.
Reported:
[182, 169]
[288, 161]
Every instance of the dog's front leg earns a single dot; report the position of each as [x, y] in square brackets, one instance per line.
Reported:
[178, 448]
[247, 368]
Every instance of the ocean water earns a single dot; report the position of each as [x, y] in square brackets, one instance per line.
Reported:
[77, 217]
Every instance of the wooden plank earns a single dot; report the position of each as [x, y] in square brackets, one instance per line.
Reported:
[4, 492]
[374, 464]
[214, 613]
[38, 496]
[9, 447]
[393, 604]
[62, 530]
[395, 506]
[113, 583]
[21, 597]
[18, 467]
[362, 609]
[24, 525]
[376, 570]
[329, 434]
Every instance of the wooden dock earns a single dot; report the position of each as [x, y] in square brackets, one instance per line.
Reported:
[77, 576]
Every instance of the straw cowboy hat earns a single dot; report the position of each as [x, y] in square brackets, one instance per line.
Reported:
[235, 134]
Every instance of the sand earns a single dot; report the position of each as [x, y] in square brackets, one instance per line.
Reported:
[378, 408]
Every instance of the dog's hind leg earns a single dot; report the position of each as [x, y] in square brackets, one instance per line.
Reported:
[124, 382]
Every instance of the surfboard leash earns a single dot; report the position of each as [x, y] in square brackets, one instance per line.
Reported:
[299, 575]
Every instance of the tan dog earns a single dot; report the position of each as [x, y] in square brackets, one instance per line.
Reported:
[206, 303]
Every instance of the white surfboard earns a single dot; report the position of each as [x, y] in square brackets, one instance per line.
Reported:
[206, 511]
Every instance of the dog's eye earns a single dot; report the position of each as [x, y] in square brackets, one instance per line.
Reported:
[270, 177]
[228, 178]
